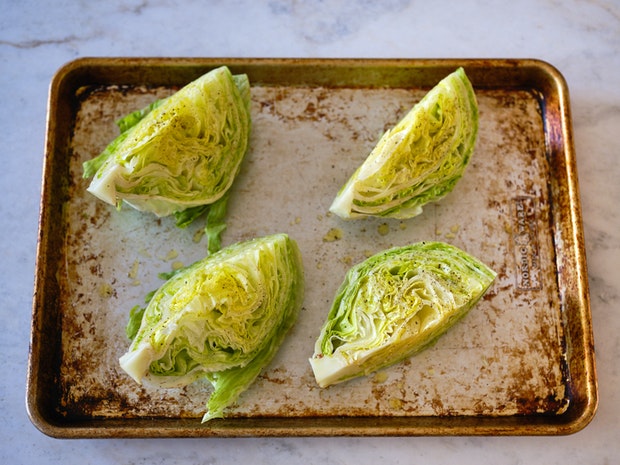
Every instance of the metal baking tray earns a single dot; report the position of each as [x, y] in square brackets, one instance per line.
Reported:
[522, 361]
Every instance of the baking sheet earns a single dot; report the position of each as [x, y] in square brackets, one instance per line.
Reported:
[520, 363]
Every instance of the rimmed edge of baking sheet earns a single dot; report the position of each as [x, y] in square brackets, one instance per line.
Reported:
[489, 73]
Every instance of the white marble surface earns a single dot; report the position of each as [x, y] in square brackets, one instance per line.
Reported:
[581, 38]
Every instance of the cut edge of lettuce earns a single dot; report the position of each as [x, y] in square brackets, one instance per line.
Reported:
[222, 318]
[419, 160]
[394, 305]
[180, 152]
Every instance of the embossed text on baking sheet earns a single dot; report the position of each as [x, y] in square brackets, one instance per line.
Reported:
[526, 248]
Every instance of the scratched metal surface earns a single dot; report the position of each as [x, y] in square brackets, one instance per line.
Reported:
[507, 358]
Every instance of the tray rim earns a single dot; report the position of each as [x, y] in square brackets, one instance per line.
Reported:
[549, 82]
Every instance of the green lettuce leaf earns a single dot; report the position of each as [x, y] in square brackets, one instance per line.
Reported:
[215, 224]
[395, 304]
[181, 152]
[418, 161]
[222, 318]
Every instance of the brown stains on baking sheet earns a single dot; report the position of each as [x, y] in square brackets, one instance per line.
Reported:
[505, 358]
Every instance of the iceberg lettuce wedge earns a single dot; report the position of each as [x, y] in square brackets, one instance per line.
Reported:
[180, 152]
[420, 159]
[222, 318]
[395, 304]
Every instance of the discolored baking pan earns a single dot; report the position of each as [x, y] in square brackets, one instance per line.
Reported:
[521, 363]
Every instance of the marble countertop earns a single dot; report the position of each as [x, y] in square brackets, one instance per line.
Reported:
[579, 37]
